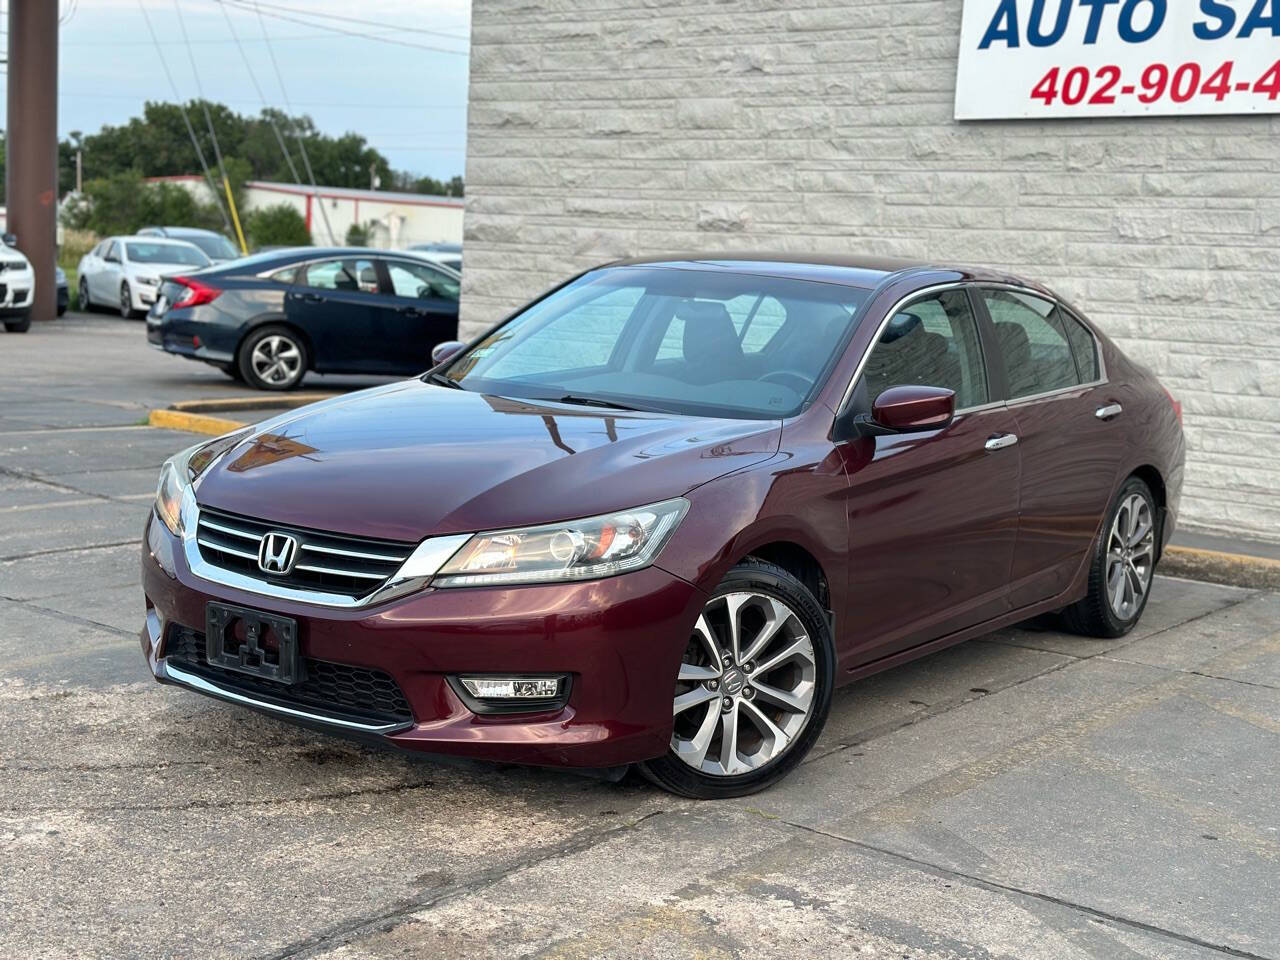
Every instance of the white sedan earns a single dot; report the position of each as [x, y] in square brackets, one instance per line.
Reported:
[126, 272]
[17, 286]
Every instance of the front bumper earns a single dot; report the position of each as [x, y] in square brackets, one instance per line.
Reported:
[17, 292]
[619, 639]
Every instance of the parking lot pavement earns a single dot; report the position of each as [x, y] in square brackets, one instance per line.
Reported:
[1028, 795]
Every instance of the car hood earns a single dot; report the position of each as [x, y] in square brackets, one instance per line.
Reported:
[412, 460]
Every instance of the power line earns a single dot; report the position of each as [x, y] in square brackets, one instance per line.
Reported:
[196, 41]
[302, 146]
[208, 119]
[400, 28]
[366, 106]
[275, 127]
[244, 5]
[195, 142]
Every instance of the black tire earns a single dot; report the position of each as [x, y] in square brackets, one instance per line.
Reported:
[751, 575]
[244, 358]
[62, 309]
[126, 302]
[1093, 616]
[20, 325]
[86, 301]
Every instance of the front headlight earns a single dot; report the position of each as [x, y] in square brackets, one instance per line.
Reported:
[575, 550]
[181, 470]
[149, 281]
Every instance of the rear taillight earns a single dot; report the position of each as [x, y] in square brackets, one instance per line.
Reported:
[1177, 407]
[196, 293]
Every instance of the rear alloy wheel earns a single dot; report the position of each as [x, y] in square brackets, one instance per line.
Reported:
[272, 358]
[1123, 565]
[86, 303]
[753, 689]
[126, 302]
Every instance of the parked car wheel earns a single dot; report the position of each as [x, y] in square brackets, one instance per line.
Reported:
[753, 690]
[86, 302]
[272, 358]
[126, 302]
[1123, 563]
[19, 325]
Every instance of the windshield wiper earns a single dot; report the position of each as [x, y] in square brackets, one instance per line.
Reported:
[593, 402]
[439, 379]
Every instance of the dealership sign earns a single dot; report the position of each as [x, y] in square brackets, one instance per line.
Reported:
[1117, 58]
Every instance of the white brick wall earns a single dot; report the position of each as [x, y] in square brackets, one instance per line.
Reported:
[604, 128]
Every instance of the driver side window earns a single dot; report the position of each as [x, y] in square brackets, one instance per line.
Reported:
[931, 342]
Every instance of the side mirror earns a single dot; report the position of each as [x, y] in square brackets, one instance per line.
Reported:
[909, 409]
[10, 239]
[445, 351]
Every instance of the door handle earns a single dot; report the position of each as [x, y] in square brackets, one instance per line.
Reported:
[1002, 440]
[308, 297]
[411, 311]
[1109, 412]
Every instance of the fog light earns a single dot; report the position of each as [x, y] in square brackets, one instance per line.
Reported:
[512, 688]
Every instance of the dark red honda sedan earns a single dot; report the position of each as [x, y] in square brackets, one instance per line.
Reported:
[657, 515]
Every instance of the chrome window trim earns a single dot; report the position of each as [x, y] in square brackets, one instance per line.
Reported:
[201, 685]
[416, 571]
[984, 285]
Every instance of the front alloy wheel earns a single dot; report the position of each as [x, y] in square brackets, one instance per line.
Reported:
[126, 301]
[86, 304]
[753, 687]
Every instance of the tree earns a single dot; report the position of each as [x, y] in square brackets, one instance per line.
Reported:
[357, 236]
[157, 144]
[124, 202]
[277, 226]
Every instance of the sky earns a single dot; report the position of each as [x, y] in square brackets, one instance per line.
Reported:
[407, 101]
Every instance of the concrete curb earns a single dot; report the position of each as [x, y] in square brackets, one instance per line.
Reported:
[1233, 569]
[193, 415]
[192, 422]
[273, 401]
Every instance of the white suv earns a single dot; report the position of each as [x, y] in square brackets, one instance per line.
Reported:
[17, 286]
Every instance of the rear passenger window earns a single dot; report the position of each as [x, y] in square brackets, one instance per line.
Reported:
[1083, 347]
[932, 342]
[1029, 330]
[353, 276]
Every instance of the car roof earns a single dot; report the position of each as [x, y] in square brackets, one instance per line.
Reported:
[866, 271]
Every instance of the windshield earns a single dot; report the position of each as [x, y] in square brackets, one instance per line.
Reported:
[141, 252]
[685, 341]
[214, 245]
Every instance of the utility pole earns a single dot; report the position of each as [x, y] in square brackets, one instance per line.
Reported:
[79, 171]
[31, 170]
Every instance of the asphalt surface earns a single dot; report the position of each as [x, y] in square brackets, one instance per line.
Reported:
[1027, 795]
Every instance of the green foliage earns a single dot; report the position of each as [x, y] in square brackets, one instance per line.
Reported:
[277, 226]
[123, 203]
[357, 236]
[410, 183]
[157, 144]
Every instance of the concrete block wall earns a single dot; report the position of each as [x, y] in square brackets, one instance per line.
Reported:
[605, 128]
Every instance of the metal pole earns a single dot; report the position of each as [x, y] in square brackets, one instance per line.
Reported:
[31, 171]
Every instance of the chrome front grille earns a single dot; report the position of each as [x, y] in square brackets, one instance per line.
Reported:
[326, 562]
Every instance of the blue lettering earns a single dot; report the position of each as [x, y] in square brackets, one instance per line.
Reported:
[1036, 21]
[1004, 25]
[1259, 19]
[1226, 20]
[1099, 7]
[1159, 10]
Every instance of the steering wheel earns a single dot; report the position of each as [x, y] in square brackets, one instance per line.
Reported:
[783, 376]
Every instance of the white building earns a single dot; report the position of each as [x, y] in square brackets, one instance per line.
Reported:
[392, 219]
[614, 128]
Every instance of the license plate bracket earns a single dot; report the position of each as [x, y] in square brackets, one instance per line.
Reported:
[258, 644]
